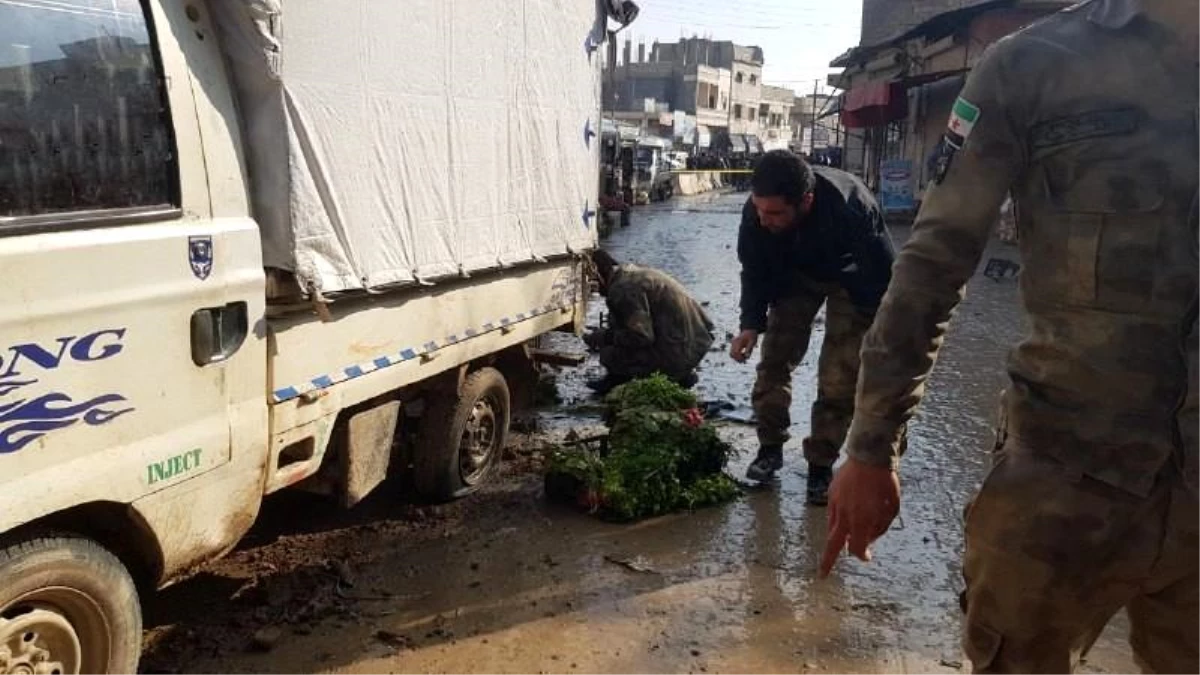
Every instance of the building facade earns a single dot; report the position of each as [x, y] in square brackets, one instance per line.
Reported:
[774, 117]
[814, 124]
[886, 19]
[898, 91]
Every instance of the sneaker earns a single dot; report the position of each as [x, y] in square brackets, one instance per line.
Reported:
[819, 478]
[764, 466]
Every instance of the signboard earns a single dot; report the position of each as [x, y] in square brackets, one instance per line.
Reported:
[895, 185]
[812, 140]
[684, 128]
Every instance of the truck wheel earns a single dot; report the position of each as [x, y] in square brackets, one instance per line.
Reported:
[462, 437]
[67, 606]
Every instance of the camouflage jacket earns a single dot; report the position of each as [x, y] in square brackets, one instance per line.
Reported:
[650, 311]
[1090, 118]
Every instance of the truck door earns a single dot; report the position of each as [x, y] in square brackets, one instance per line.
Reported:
[126, 308]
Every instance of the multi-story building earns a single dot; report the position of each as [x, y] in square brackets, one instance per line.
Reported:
[774, 117]
[813, 123]
[717, 84]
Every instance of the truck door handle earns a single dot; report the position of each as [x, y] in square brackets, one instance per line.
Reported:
[218, 332]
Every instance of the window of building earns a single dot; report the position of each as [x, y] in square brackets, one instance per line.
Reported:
[737, 111]
[738, 77]
[752, 111]
[753, 78]
[84, 123]
[764, 111]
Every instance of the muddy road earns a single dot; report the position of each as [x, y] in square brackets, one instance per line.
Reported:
[503, 582]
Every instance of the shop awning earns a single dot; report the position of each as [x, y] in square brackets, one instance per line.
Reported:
[874, 104]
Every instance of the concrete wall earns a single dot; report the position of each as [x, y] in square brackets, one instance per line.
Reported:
[686, 184]
[636, 89]
[778, 95]
[715, 53]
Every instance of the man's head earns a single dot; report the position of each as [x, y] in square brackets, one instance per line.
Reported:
[782, 190]
[605, 266]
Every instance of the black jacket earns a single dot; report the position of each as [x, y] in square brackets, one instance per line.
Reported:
[842, 240]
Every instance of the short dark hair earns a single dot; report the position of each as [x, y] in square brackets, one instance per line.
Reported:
[604, 262]
[782, 173]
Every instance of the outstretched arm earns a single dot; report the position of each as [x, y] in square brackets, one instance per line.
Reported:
[983, 155]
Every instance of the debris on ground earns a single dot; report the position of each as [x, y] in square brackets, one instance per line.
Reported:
[636, 564]
[724, 410]
[394, 640]
[660, 455]
[266, 638]
[949, 663]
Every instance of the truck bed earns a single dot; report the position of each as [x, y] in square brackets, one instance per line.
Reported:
[466, 145]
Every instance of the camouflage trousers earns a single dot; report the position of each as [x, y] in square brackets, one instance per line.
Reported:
[1052, 555]
[789, 326]
[628, 364]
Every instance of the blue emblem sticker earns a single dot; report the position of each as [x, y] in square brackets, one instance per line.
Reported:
[200, 255]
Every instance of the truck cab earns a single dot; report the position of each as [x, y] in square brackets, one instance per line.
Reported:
[157, 378]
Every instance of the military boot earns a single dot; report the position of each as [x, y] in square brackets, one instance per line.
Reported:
[764, 466]
[819, 478]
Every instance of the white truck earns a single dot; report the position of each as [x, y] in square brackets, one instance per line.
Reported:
[240, 246]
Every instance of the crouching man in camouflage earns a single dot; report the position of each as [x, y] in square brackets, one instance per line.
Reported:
[654, 326]
[809, 236]
[1089, 118]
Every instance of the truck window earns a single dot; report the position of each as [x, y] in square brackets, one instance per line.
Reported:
[84, 125]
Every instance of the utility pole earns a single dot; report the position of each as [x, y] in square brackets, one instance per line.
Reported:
[837, 135]
[812, 132]
[612, 86]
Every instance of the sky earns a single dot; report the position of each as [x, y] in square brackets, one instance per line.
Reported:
[798, 37]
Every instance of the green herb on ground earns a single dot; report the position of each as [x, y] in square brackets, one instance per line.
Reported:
[662, 456]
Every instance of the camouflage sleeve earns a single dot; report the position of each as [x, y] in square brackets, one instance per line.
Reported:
[632, 322]
[982, 154]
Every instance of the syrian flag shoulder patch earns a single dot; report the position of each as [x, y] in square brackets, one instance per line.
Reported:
[963, 117]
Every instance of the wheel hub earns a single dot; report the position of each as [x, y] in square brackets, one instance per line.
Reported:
[478, 442]
[38, 641]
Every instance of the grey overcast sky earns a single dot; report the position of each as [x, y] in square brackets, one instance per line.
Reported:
[799, 37]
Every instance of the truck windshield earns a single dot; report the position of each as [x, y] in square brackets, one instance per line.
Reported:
[83, 120]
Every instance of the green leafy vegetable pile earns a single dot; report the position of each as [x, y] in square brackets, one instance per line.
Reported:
[661, 456]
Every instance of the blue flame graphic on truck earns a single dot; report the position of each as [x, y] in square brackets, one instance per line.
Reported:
[25, 419]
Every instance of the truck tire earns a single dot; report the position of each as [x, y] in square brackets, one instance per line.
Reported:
[67, 606]
[462, 437]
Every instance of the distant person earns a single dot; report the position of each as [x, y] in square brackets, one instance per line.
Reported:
[654, 326]
[810, 236]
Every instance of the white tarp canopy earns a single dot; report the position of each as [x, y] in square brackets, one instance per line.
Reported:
[393, 142]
